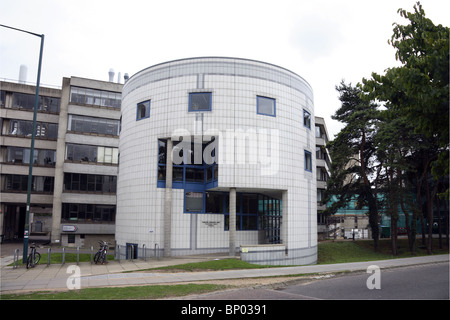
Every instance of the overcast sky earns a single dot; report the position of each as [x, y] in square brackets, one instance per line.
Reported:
[323, 41]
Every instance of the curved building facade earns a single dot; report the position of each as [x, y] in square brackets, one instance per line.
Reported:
[218, 155]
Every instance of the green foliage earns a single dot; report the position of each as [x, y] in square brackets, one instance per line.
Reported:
[394, 147]
[353, 167]
[419, 88]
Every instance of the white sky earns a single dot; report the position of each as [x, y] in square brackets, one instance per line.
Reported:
[323, 41]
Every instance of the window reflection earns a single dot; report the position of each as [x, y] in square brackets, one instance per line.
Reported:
[95, 97]
[265, 106]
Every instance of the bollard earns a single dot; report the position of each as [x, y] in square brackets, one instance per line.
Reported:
[92, 254]
[78, 255]
[48, 256]
[144, 253]
[63, 256]
[118, 253]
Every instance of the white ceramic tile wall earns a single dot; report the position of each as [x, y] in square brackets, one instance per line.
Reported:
[140, 204]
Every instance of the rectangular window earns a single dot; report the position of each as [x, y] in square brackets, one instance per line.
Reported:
[93, 125]
[79, 182]
[143, 110]
[307, 119]
[40, 157]
[193, 201]
[265, 106]
[214, 202]
[308, 161]
[88, 213]
[19, 183]
[26, 101]
[25, 129]
[200, 101]
[95, 97]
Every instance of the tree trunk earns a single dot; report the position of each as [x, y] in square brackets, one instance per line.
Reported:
[410, 229]
[394, 235]
[430, 198]
[438, 205]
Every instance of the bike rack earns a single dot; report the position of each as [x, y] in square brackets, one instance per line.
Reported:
[157, 251]
[117, 254]
[16, 258]
[48, 256]
[92, 254]
[144, 253]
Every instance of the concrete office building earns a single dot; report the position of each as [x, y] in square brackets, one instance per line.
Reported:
[16, 126]
[323, 163]
[218, 155]
[84, 202]
[73, 198]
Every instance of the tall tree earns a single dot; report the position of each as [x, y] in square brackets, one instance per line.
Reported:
[419, 91]
[353, 170]
[419, 88]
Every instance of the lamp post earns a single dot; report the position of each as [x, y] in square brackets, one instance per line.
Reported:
[33, 135]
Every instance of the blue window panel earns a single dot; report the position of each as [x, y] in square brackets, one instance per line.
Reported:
[200, 101]
[266, 106]
[143, 110]
[308, 161]
[306, 119]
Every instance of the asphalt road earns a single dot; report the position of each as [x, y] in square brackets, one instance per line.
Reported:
[414, 282]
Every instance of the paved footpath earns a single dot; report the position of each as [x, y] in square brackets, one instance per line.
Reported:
[61, 277]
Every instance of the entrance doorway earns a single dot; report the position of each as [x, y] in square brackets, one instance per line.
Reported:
[14, 222]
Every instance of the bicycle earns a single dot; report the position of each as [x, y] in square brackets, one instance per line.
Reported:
[100, 256]
[33, 257]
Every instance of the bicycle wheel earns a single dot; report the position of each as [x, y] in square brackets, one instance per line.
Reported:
[97, 257]
[37, 258]
[29, 263]
[103, 258]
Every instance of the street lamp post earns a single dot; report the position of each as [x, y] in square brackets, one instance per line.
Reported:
[33, 135]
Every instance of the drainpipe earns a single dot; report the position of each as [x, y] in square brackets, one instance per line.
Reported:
[168, 201]
[232, 224]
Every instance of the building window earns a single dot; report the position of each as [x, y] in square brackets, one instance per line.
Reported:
[193, 201]
[19, 183]
[200, 101]
[24, 128]
[306, 119]
[191, 165]
[308, 161]
[26, 101]
[78, 182]
[214, 202]
[95, 97]
[86, 153]
[70, 238]
[143, 110]
[81, 212]
[93, 125]
[265, 106]
[22, 155]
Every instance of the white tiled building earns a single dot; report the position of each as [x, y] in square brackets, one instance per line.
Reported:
[242, 172]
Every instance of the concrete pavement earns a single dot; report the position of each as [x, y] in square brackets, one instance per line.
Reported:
[62, 277]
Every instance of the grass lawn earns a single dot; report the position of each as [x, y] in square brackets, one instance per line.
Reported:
[362, 250]
[119, 293]
[56, 258]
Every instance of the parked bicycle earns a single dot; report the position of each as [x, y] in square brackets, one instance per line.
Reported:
[33, 257]
[100, 256]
